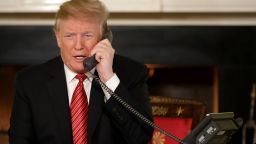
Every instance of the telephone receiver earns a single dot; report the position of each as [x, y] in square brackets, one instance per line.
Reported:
[91, 62]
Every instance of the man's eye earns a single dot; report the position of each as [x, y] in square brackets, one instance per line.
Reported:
[87, 35]
[68, 36]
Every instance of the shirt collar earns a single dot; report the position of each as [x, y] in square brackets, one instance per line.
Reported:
[70, 75]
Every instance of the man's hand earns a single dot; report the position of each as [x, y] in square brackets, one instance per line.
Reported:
[104, 55]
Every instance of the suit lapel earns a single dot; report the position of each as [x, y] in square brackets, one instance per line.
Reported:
[95, 107]
[58, 89]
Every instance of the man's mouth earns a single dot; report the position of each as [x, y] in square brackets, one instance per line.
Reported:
[79, 58]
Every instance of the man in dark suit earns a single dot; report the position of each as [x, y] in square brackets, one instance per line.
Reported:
[44, 93]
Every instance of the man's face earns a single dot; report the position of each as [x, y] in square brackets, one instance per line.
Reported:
[76, 38]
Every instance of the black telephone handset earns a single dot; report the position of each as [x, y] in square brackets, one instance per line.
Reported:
[91, 62]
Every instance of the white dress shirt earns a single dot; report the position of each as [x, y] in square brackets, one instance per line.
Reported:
[71, 81]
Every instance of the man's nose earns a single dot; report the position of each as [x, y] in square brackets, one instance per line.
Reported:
[79, 43]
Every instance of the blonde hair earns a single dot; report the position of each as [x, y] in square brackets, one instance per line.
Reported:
[82, 9]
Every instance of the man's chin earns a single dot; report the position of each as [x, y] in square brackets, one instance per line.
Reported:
[81, 70]
[78, 68]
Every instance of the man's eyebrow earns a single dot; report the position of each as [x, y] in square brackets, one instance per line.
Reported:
[88, 32]
[72, 33]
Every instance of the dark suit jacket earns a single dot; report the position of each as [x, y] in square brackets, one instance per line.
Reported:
[41, 113]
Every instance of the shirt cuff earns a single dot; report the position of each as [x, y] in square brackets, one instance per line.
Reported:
[112, 84]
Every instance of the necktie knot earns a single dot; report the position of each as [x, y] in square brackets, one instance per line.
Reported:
[81, 77]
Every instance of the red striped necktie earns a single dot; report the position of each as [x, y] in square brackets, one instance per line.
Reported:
[79, 112]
